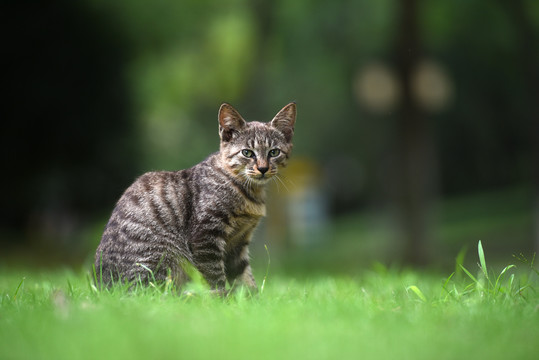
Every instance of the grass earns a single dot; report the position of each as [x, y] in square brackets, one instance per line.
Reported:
[381, 314]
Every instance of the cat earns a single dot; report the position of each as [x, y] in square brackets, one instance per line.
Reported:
[204, 215]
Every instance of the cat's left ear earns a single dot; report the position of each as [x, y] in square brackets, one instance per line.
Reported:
[230, 121]
[284, 120]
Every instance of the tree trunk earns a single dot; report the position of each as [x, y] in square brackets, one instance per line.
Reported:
[529, 58]
[413, 174]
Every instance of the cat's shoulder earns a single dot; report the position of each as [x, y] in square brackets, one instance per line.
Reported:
[152, 179]
[155, 176]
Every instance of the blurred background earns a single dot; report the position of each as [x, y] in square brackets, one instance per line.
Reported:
[417, 131]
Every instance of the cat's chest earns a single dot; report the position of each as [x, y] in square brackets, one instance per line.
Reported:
[252, 209]
[243, 222]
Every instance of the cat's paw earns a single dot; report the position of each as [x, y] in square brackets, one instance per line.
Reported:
[220, 292]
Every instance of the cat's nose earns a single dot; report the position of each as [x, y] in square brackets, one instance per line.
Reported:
[263, 170]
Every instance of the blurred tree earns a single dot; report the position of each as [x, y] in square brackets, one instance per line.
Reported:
[413, 175]
[528, 57]
[189, 57]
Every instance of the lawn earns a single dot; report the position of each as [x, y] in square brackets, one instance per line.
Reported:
[379, 314]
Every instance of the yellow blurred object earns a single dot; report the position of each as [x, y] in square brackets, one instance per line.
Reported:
[298, 215]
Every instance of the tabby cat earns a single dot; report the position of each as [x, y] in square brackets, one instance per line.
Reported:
[204, 215]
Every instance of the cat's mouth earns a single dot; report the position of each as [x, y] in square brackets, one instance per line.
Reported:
[259, 179]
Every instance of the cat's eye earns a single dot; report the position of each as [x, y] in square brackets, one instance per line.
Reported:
[274, 152]
[248, 153]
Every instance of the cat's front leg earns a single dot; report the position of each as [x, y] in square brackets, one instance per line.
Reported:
[208, 255]
[248, 279]
[238, 269]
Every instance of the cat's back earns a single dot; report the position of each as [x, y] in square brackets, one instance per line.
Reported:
[166, 204]
[157, 201]
[150, 219]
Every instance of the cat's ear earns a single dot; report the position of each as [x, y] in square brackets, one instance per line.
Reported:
[285, 119]
[230, 121]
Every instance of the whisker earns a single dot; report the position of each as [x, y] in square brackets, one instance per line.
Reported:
[287, 179]
[277, 184]
[247, 182]
[279, 178]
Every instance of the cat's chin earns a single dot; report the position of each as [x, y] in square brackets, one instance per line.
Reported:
[259, 180]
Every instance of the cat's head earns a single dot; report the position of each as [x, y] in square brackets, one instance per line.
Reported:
[254, 151]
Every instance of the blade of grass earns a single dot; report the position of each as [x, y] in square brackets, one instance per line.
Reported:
[267, 270]
[459, 261]
[70, 288]
[418, 292]
[18, 288]
[100, 284]
[482, 259]
[469, 274]
[511, 280]
[444, 286]
[530, 264]
[500, 277]
[194, 276]
[148, 270]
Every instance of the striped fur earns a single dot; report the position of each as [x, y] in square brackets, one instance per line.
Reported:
[205, 215]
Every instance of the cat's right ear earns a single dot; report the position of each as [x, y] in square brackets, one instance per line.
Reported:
[230, 121]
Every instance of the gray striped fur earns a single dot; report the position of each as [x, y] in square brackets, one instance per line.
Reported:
[204, 215]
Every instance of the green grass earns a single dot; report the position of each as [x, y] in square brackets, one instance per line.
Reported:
[380, 314]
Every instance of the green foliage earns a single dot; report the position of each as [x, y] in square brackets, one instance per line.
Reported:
[192, 55]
